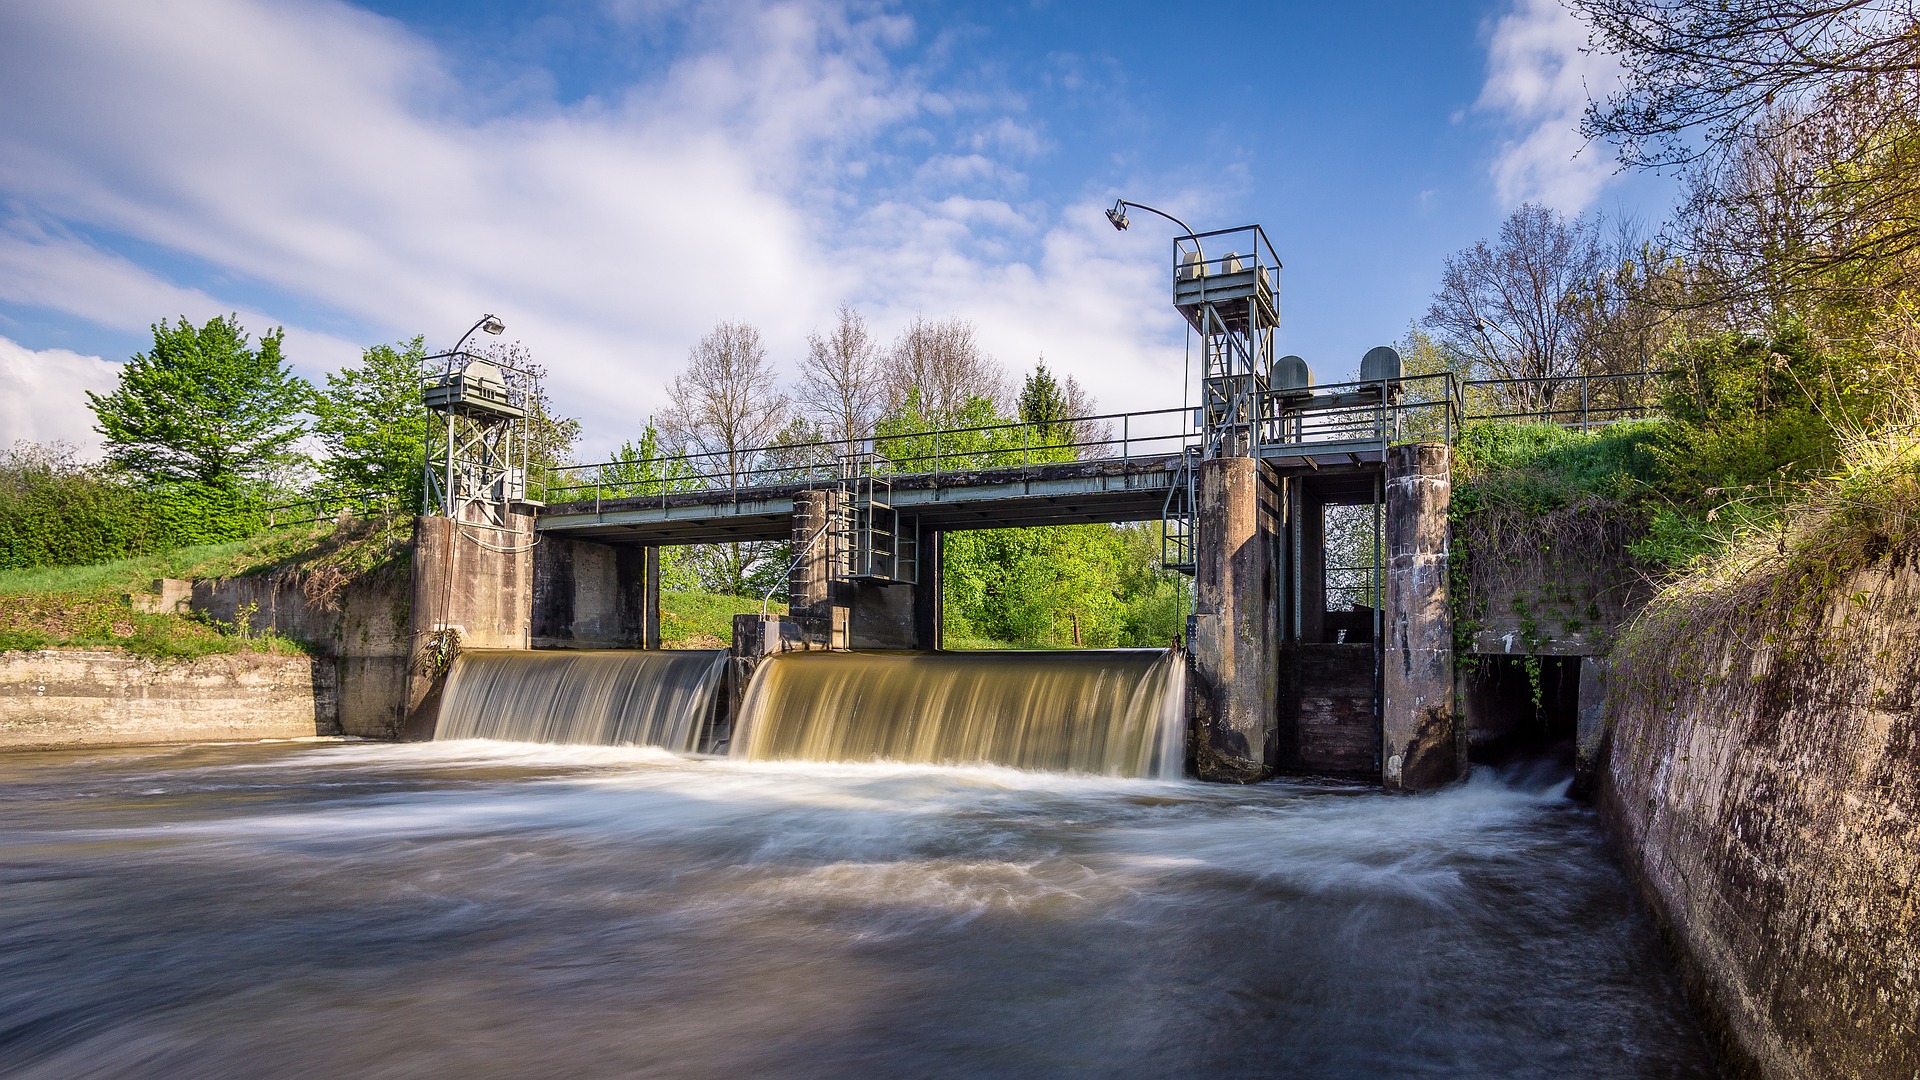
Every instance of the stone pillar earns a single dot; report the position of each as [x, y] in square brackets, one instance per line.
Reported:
[928, 594]
[1418, 750]
[472, 589]
[650, 597]
[1235, 629]
[812, 599]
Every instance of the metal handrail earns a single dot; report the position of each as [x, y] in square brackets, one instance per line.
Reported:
[1376, 412]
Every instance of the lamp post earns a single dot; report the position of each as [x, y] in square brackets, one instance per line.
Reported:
[1117, 214]
[489, 322]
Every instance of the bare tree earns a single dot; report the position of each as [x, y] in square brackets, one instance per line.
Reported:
[942, 359]
[841, 379]
[1798, 125]
[727, 402]
[1511, 306]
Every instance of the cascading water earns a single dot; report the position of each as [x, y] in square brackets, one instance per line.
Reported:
[610, 698]
[1112, 712]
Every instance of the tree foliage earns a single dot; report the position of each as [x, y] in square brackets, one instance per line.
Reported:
[942, 360]
[1798, 128]
[372, 424]
[204, 407]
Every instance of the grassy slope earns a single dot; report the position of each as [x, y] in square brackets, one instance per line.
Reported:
[691, 619]
[89, 606]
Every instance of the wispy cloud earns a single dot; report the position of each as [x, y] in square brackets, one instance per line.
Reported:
[1538, 81]
[330, 156]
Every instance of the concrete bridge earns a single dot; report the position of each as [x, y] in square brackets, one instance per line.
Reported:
[1293, 667]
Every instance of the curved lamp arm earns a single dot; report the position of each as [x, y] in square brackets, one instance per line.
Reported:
[1118, 215]
[489, 322]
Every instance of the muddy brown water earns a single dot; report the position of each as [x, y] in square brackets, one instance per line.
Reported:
[479, 909]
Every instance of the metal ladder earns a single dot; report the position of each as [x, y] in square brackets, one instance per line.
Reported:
[1177, 514]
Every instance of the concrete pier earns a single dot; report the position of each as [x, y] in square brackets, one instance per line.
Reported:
[1235, 627]
[472, 588]
[1418, 744]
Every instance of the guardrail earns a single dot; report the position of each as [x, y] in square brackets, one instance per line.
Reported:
[327, 506]
[1376, 412]
[1122, 437]
[1582, 401]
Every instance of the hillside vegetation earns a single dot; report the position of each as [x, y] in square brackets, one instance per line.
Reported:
[92, 606]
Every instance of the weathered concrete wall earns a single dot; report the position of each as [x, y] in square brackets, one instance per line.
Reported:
[594, 596]
[1554, 586]
[1328, 723]
[1765, 781]
[1418, 745]
[1235, 627]
[360, 629]
[58, 698]
[472, 588]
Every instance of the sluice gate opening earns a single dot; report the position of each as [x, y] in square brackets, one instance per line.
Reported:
[1522, 707]
[613, 697]
[1108, 712]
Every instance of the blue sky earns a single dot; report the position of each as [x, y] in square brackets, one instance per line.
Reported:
[614, 176]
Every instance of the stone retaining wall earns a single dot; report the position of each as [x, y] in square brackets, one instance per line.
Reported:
[67, 698]
[1764, 780]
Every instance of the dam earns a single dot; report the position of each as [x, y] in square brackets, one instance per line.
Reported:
[1310, 518]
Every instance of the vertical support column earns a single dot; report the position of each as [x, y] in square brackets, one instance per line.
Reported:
[650, 598]
[1417, 721]
[813, 598]
[929, 592]
[472, 588]
[1235, 626]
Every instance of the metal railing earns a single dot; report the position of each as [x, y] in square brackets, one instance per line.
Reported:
[1578, 401]
[1122, 437]
[1351, 415]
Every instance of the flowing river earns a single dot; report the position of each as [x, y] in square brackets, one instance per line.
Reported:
[477, 909]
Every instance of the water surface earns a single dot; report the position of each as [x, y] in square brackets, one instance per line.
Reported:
[477, 909]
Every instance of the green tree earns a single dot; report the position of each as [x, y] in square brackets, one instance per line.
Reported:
[1041, 402]
[205, 408]
[371, 421]
[638, 470]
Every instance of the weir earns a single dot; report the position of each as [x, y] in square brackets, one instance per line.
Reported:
[1312, 519]
[1110, 712]
[604, 698]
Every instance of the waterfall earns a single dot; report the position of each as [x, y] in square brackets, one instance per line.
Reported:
[608, 698]
[1112, 712]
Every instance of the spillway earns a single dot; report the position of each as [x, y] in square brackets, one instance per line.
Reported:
[606, 698]
[1111, 712]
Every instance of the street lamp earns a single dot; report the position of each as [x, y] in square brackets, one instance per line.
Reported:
[489, 322]
[1117, 214]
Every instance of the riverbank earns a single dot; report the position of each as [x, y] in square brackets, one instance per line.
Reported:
[1762, 774]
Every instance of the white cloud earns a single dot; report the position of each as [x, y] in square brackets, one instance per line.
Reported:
[43, 395]
[1539, 80]
[329, 155]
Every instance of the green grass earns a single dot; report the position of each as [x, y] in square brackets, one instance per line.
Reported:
[89, 606]
[691, 619]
